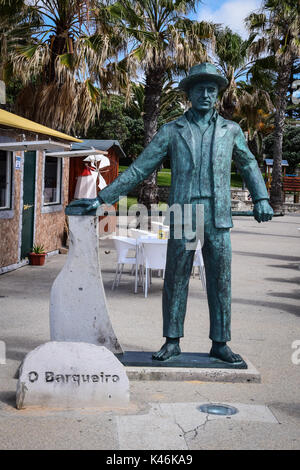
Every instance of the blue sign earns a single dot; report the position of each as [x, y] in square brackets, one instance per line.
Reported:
[18, 162]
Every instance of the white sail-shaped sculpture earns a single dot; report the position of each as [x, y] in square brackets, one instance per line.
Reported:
[78, 309]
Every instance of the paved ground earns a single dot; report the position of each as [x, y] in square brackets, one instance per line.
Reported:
[165, 415]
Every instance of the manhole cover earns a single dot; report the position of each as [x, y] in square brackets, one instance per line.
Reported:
[223, 410]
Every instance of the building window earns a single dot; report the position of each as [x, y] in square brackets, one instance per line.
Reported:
[5, 180]
[52, 180]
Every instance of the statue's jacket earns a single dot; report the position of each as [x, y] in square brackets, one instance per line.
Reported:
[175, 141]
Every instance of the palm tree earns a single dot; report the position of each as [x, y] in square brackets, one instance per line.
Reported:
[173, 102]
[18, 22]
[278, 24]
[162, 42]
[61, 67]
[171, 106]
[254, 113]
[232, 57]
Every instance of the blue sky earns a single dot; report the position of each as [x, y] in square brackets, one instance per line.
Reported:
[228, 12]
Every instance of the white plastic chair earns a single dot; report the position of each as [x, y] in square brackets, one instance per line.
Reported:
[154, 257]
[123, 245]
[198, 262]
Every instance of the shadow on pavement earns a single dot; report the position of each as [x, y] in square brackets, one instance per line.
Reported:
[267, 255]
[17, 348]
[285, 266]
[264, 234]
[291, 409]
[8, 398]
[287, 295]
[290, 280]
[293, 309]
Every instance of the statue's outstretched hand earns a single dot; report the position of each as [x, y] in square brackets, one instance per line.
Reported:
[263, 211]
[87, 205]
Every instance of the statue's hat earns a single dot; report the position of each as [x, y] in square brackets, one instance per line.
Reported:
[200, 72]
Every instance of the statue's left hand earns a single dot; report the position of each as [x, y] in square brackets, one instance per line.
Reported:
[87, 205]
[263, 211]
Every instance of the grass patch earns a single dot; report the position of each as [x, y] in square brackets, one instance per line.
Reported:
[164, 177]
[133, 200]
[130, 201]
[236, 180]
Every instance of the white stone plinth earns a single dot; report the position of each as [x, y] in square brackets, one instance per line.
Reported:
[72, 375]
[180, 374]
[78, 309]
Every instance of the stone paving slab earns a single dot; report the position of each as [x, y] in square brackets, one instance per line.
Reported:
[168, 426]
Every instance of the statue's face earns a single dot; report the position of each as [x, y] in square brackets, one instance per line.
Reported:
[203, 95]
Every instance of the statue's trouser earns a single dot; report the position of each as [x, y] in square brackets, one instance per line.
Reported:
[216, 252]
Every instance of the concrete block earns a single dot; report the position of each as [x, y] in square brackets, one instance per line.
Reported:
[71, 375]
[250, 375]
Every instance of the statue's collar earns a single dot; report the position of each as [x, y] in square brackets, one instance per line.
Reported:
[192, 116]
[188, 116]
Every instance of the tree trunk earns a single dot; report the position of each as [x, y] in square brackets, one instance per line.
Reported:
[281, 89]
[154, 83]
[229, 98]
[58, 46]
[228, 107]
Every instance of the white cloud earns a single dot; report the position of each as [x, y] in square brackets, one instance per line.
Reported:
[231, 13]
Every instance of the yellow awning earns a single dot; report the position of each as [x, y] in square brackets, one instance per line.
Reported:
[12, 120]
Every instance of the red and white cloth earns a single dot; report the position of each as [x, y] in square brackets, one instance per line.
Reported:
[86, 187]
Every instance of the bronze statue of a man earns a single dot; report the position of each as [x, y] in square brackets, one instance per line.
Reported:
[200, 145]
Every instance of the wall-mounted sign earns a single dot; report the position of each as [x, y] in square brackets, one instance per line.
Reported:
[18, 162]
